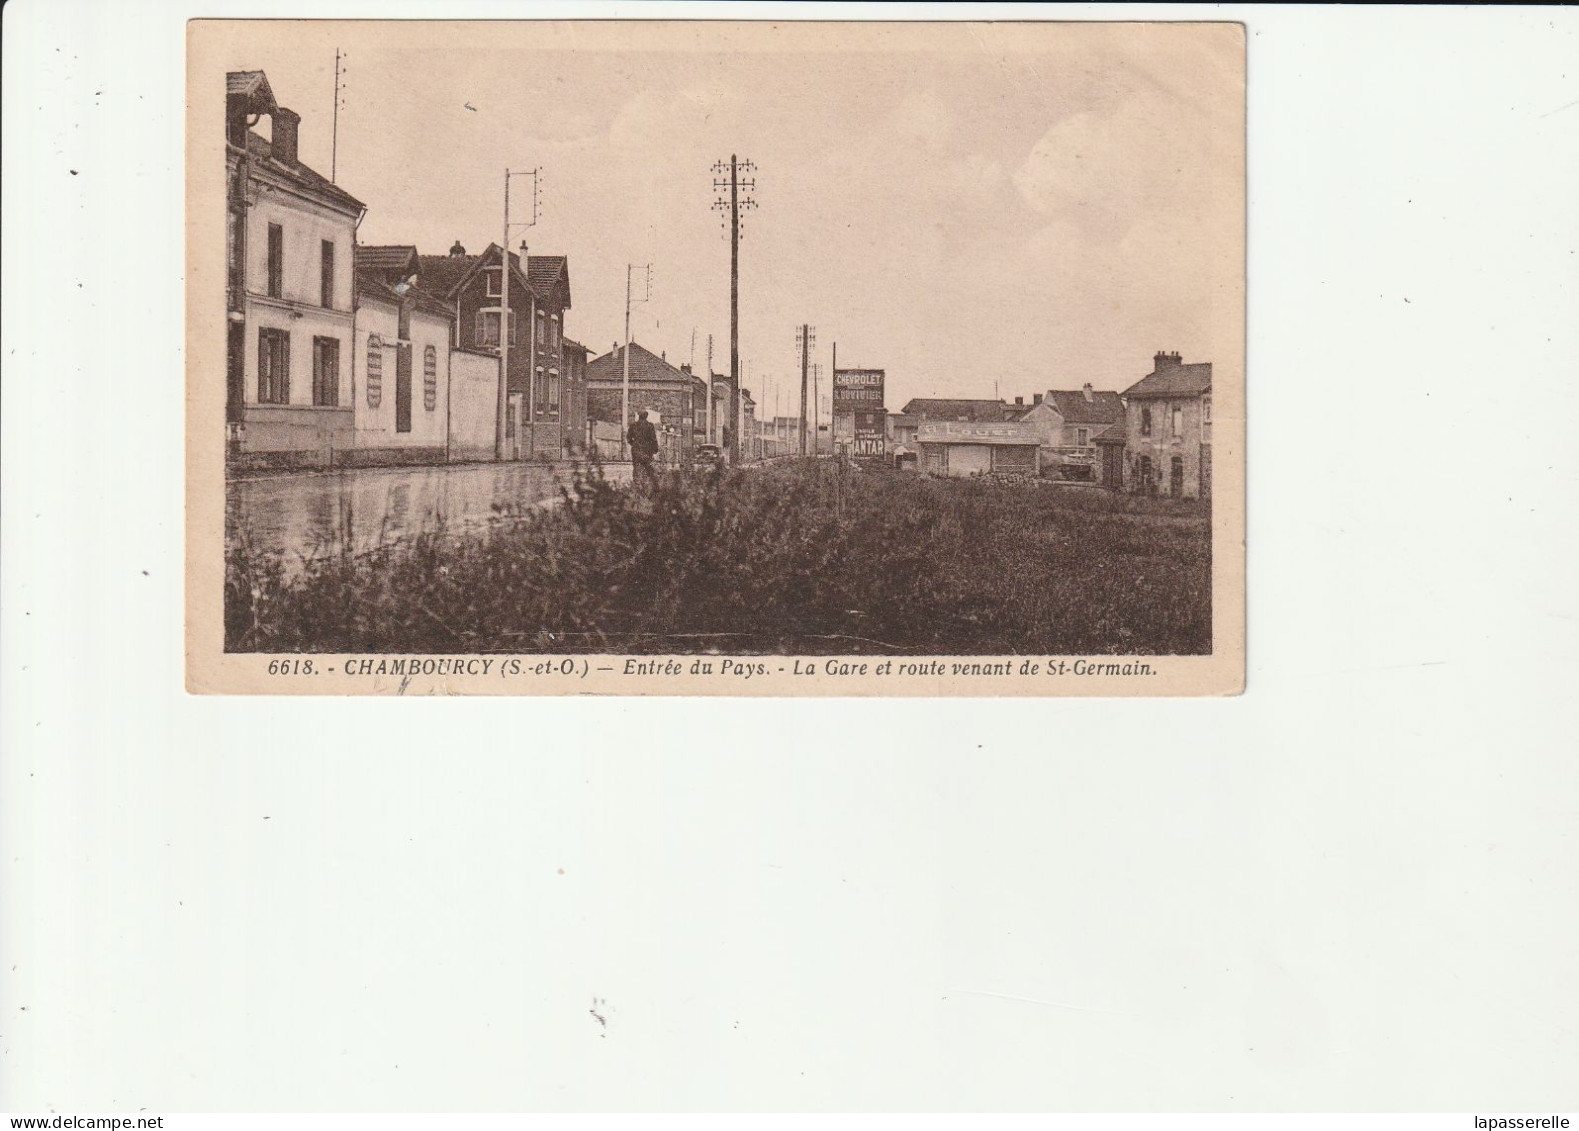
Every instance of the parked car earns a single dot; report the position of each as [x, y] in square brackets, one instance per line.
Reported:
[709, 455]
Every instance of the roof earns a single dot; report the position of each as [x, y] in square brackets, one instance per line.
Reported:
[572, 344]
[443, 274]
[370, 285]
[251, 85]
[1116, 433]
[1174, 381]
[543, 272]
[645, 366]
[1104, 407]
[306, 178]
[903, 420]
[392, 259]
[938, 408]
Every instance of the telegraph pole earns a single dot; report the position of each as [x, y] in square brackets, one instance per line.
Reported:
[504, 306]
[334, 143]
[804, 338]
[733, 205]
[625, 390]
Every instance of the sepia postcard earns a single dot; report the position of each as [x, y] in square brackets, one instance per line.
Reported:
[715, 358]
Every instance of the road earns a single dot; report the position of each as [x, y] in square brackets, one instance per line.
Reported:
[296, 514]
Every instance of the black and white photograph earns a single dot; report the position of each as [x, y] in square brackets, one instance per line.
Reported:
[752, 342]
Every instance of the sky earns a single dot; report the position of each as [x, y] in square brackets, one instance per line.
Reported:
[980, 210]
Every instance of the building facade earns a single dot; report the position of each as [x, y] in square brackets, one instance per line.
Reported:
[963, 448]
[1168, 439]
[1069, 421]
[573, 399]
[400, 385]
[290, 235]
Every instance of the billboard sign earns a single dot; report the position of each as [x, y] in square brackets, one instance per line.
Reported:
[962, 432]
[857, 389]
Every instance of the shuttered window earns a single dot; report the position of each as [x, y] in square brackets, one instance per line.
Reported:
[274, 366]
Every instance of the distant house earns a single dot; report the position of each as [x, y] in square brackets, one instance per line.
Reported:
[673, 397]
[965, 448]
[1068, 421]
[958, 411]
[289, 239]
[1168, 442]
[902, 430]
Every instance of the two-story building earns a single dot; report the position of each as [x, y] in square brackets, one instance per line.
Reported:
[289, 302]
[1068, 421]
[1168, 443]
[573, 403]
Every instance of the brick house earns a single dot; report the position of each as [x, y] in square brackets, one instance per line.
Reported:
[471, 285]
[573, 400]
[674, 398]
[289, 238]
[1168, 442]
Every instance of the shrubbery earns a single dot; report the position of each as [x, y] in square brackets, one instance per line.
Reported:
[801, 558]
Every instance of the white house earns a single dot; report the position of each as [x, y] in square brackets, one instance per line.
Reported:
[289, 244]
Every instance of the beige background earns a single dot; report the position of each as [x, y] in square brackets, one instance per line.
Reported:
[1349, 889]
[1196, 65]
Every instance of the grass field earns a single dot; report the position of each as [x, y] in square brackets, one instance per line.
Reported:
[802, 558]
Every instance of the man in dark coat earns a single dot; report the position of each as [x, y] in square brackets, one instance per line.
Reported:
[643, 440]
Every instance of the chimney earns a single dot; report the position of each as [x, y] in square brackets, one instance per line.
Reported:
[457, 251]
[284, 142]
[1036, 399]
[1167, 360]
[1087, 391]
[1019, 402]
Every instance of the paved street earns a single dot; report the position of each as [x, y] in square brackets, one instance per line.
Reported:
[297, 513]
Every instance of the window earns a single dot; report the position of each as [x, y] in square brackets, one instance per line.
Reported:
[488, 328]
[326, 372]
[430, 378]
[553, 331]
[1178, 421]
[553, 388]
[1206, 410]
[493, 275]
[1082, 436]
[1145, 422]
[276, 261]
[515, 329]
[542, 329]
[326, 273]
[274, 366]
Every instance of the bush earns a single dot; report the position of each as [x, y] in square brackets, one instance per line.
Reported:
[804, 557]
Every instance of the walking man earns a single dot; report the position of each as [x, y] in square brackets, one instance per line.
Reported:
[643, 440]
